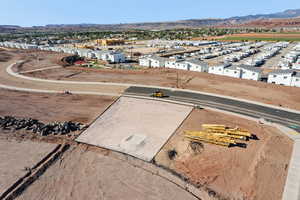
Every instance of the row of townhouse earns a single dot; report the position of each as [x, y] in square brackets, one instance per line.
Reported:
[191, 65]
[237, 71]
[282, 77]
[109, 56]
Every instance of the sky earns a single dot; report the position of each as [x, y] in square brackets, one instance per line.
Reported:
[42, 12]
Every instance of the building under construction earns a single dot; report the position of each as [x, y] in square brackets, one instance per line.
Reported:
[110, 42]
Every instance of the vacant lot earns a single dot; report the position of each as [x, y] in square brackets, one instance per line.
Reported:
[233, 173]
[52, 107]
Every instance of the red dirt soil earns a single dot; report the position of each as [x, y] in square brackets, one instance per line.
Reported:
[233, 173]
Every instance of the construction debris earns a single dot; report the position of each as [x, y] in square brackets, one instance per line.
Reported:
[34, 125]
[220, 135]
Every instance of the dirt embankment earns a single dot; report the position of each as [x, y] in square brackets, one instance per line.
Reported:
[232, 173]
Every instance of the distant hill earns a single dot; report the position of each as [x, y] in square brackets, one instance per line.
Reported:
[249, 20]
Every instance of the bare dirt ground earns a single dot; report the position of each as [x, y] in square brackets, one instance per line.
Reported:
[16, 157]
[82, 174]
[53, 107]
[232, 173]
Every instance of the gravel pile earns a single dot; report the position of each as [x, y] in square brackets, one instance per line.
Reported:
[34, 125]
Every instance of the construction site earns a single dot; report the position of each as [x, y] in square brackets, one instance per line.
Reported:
[77, 133]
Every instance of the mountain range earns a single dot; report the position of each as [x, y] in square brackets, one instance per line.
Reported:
[290, 18]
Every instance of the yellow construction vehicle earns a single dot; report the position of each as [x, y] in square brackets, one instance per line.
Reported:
[158, 94]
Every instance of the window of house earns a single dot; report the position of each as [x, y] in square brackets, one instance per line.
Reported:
[253, 74]
[219, 69]
[226, 70]
[235, 72]
[274, 76]
[285, 77]
[297, 79]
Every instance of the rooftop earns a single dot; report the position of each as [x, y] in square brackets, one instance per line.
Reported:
[250, 68]
[197, 62]
[283, 71]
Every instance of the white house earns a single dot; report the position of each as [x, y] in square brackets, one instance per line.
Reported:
[181, 64]
[250, 73]
[197, 65]
[281, 77]
[171, 63]
[111, 56]
[219, 69]
[232, 71]
[144, 61]
[296, 80]
[116, 57]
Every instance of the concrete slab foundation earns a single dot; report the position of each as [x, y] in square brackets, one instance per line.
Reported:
[137, 127]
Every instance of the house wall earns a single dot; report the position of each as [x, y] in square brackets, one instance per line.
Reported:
[197, 68]
[216, 70]
[295, 81]
[250, 75]
[116, 57]
[170, 64]
[281, 79]
[144, 62]
[232, 73]
[181, 65]
[156, 63]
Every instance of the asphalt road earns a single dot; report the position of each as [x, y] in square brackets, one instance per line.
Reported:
[282, 117]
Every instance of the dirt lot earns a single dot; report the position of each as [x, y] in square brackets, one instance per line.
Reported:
[233, 173]
[82, 174]
[16, 157]
[52, 107]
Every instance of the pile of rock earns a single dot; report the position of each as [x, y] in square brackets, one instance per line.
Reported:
[55, 128]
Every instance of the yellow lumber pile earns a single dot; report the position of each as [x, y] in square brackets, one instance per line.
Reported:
[218, 134]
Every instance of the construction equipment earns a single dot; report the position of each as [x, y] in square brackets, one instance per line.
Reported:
[219, 135]
[158, 94]
[209, 138]
[216, 128]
